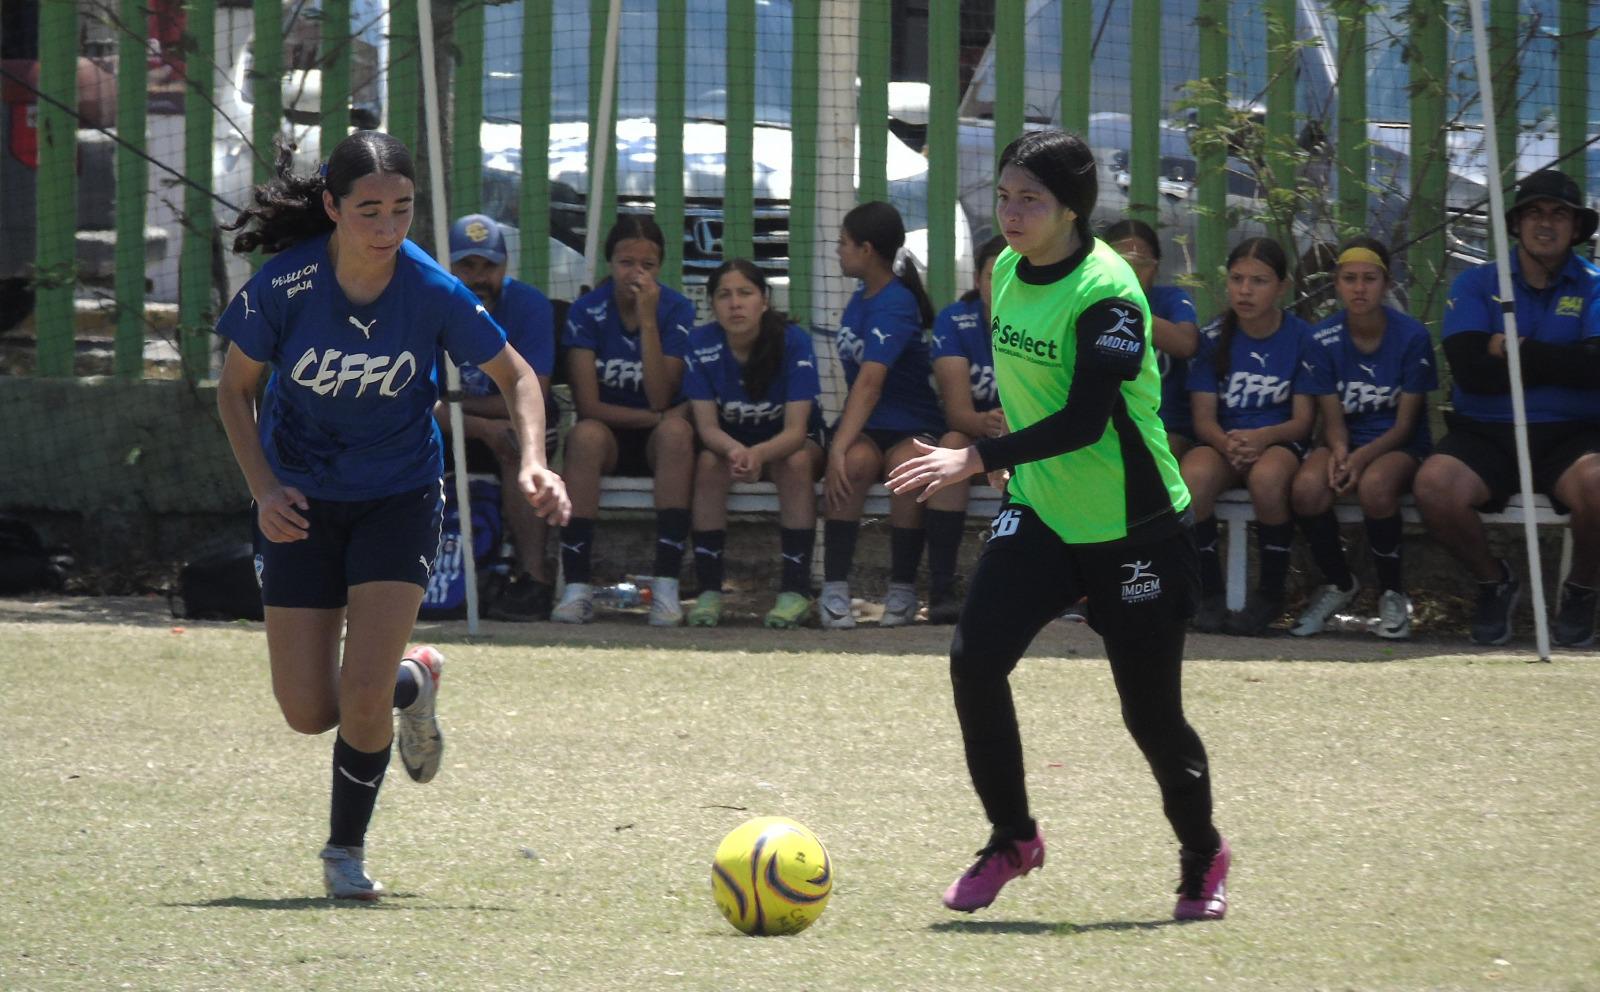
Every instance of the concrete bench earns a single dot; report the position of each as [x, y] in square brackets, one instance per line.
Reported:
[1235, 509]
[621, 493]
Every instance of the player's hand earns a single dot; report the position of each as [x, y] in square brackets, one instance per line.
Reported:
[1353, 467]
[836, 480]
[278, 513]
[999, 479]
[1338, 466]
[646, 297]
[932, 469]
[744, 464]
[546, 491]
[994, 423]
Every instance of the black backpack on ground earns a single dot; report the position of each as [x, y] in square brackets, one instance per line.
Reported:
[25, 562]
[219, 586]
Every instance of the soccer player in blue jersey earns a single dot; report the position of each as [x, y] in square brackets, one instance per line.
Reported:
[883, 348]
[1251, 388]
[755, 398]
[342, 459]
[625, 346]
[1474, 468]
[1375, 434]
[478, 258]
[963, 367]
[1174, 326]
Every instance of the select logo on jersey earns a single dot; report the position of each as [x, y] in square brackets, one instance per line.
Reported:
[1140, 584]
[1251, 389]
[1016, 341]
[332, 371]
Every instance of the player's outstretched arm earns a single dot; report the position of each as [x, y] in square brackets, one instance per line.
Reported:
[934, 469]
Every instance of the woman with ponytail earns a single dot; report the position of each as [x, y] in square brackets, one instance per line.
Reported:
[342, 459]
[884, 350]
[1251, 389]
[755, 399]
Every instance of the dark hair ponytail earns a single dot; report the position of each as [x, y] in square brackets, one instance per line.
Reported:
[766, 355]
[630, 227]
[288, 208]
[987, 252]
[1066, 167]
[1263, 250]
[878, 224]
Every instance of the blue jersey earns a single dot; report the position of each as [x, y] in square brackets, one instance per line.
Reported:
[961, 332]
[1173, 303]
[528, 319]
[887, 328]
[715, 374]
[595, 324]
[348, 411]
[1264, 374]
[1566, 312]
[1370, 386]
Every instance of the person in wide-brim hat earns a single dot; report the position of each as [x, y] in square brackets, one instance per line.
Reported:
[1551, 184]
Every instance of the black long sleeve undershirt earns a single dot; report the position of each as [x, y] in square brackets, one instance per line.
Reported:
[1078, 424]
[1543, 364]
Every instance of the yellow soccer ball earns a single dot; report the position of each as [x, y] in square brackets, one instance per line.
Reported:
[771, 876]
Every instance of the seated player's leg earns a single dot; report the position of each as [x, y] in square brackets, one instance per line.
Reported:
[710, 532]
[591, 453]
[863, 467]
[906, 538]
[1208, 475]
[795, 477]
[1268, 482]
[1380, 490]
[1472, 470]
[670, 453]
[1579, 489]
[1312, 499]
[945, 521]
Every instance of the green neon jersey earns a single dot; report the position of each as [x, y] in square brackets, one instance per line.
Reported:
[1083, 324]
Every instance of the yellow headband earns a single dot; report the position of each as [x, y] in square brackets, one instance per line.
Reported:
[1359, 254]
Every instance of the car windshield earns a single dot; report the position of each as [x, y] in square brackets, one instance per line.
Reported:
[705, 71]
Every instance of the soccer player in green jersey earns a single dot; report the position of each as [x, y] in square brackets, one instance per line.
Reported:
[1095, 508]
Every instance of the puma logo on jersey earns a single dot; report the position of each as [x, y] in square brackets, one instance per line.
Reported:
[631, 342]
[1371, 372]
[938, 340]
[244, 296]
[1258, 356]
[882, 337]
[1308, 367]
[366, 329]
[804, 363]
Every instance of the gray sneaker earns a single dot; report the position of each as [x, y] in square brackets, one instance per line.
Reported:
[577, 604]
[665, 609]
[1394, 615]
[899, 606]
[421, 742]
[1329, 599]
[833, 607]
[344, 874]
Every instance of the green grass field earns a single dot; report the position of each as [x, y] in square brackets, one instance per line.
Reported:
[1401, 819]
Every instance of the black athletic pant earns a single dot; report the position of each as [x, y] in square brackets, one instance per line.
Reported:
[1139, 600]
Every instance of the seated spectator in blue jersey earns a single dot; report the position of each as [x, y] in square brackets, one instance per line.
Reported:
[1374, 435]
[1174, 326]
[963, 367]
[1473, 469]
[755, 399]
[625, 345]
[1251, 388]
[883, 348]
[478, 258]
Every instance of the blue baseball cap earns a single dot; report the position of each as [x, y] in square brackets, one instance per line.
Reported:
[477, 234]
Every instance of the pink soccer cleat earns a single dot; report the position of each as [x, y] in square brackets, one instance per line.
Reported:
[1203, 884]
[998, 863]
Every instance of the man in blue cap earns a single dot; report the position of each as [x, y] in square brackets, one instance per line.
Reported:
[478, 258]
[1556, 294]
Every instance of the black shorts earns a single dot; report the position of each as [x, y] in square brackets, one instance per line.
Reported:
[1490, 450]
[887, 439]
[390, 539]
[1028, 576]
[633, 446]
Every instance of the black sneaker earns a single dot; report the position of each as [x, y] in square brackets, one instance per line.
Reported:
[1211, 615]
[1497, 601]
[1259, 614]
[523, 599]
[1574, 626]
[944, 606]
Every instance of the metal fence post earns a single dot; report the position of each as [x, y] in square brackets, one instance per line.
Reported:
[872, 68]
[1429, 75]
[671, 55]
[738, 203]
[56, 195]
[199, 228]
[132, 177]
[1351, 148]
[805, 99]
[1574, 108]
[1211, 226]
[944, 39]
[1010, 69]
[466, 118]
[1145, 155]
[333, 55]
[533, 195]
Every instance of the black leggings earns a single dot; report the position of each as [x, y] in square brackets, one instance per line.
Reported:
[1139, 601]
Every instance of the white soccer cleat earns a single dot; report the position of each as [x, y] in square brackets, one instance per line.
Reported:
[899, 606]
[421, 742]
[1394, 616]
[344, 874]
[1330, 599]
[577, 604]
[665, 610]
[833, 607]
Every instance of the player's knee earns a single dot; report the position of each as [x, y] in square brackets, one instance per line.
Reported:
[587, 441]
[1309, 494]
[1379, 497]
[674, 435]
[954, 439]
[1438, 486]
[310, 720]
[980, 655]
